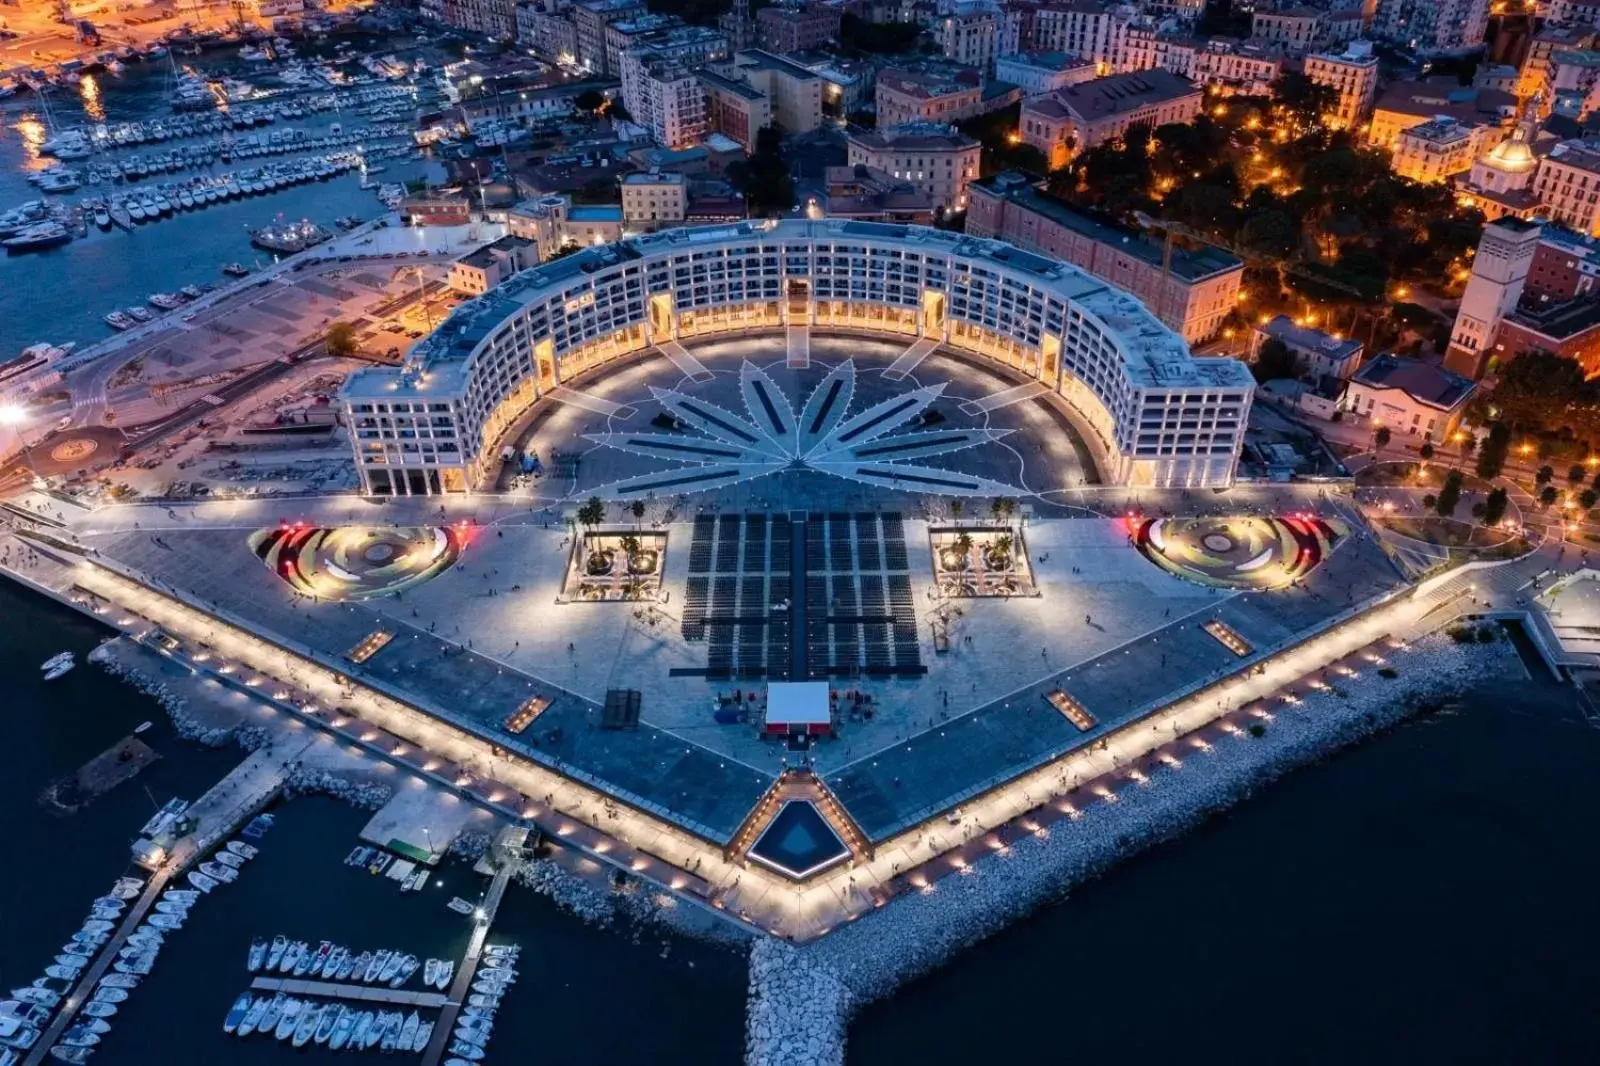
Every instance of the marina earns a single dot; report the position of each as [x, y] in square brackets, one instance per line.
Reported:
[356, 993]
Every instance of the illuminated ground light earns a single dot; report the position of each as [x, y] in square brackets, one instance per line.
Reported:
[1238, 553]
[356, 562]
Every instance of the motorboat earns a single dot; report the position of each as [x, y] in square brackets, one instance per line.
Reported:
[280, 944]
[141, 966]
[37, 237]
[79, 1037]
[165, 300]
[483, 1001]
[116, 980]
[292, 957]
[14, 1033]
[391, 1030]
[166, 922]
[102, 217]
[146, 937]
[218, 872]
[376, 966]
[228, 859]
[66, 667]
[200, 881]
[460, 906]
[447, 969]
[252, 1017]
[330, 1017]
[182, 895]
[97, 926]
[407, 967]
[302, 960]
[241, 849]
[96, 1025]
[392, 967]
[76, 1056]
[408, 1031]
[103, 914]
[289, 1019]
[44, 997]
[181, 910]
[116, 320]
[56, 660]
[306, 1026]
[257, 955]
[241, 1007]
[236, 270]
[109, 995]
[356, 967]
[419, 1043]
[126, 888]
[273, 1014]
[79, 949]
[463, 1050]
[31, 1013]
[139, 314]
[430, 972]
[100, 1008]
[335, 959]
[93, 940]
[320, 959]
[363, 1026]
[72, 962]
[346, 1025]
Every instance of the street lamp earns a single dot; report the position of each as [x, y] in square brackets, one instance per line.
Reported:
[16, 416]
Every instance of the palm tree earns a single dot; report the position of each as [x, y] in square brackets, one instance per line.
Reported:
[637, 507]
[593, 512]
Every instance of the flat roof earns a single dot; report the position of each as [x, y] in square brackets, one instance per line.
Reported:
[1124, 92]
[1423, 382]
[798, 703]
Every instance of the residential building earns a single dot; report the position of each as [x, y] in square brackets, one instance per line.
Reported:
[1570, 329]
[795, 27]
[525, 105]
[666, 96]
[1501, 180]
[735, 109]
[847, 84]
[479, 271]
[1353, 74]
[1534, 76]
[1408, 397]
[1436, 151]
[1317, 354]
[637, 31]
[1565, 266]
[975, 34]
[1499, 271]
[654, 200]
[867, 194]
[589, 21]
[1090, 29]
[552, 38]
[436, 210]
[940, 160]
[795, 92]
[492, 18]
[1567, 183]
[1154, 414]
[928, 94]
[1080, 116]
[1191, 291]
[1037, 73]
[1432, 27]
[1156, 48]
[1411, 103]
[1297, 29]
[1233, 67]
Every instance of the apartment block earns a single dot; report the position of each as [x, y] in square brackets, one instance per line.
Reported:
[1353, 74]
[1567, 183]
[1069, 120]
[795, 92]
[735, 109]
[797, 27]
[589, 21]
[1038, 73]
[938, 159]
[654, 200]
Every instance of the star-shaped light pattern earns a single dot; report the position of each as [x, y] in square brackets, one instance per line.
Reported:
[824, 436]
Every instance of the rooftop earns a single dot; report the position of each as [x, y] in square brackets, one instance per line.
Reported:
[1120, 93]
[760, 59]
[922, 136]
[1578, 154]
[1056, 61]
[1191, 265]
[1308, 339]
[1440, 131]
[1423, 382]
[1435, 97]
[670, 177]
[1562, 321]
[730, 85]
[489, 253]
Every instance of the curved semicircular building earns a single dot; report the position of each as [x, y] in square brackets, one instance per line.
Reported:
[1154, 414]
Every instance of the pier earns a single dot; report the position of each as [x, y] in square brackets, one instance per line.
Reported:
[294, 986]
[444, 1032]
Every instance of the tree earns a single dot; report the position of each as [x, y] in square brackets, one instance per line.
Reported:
[1494, 507]
[1492, 456]
[1577, 474]
[1382, 437]
[1587, 499]
[590, 100]
[1275, 360]
[1426, 451]
[593, 512]
[962, 544]
[1547, 496]
[764, 177]
[1302, 99]
[1002, 508]
[341, 339]
[1544, 476]
[956, 507]
[637, 510]
[1538, 388]
[1449, 495]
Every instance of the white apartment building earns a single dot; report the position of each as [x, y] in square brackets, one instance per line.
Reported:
[1158, 416]
[1298, 29]
[1567, 183]
[1088, 29]
[666, 96]
[1037, 73]
[940, 160]
[1433, 152]
[976, 34]
[653, 200]
[1353, 74]
[1432, 27]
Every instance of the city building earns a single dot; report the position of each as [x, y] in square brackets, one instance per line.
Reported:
[479, 271]
[1081, 116]
[1409, 397]
[1411, 103]
[795, 92]
[940, 160]
[665, 96]
[1157, 48]
[1317, 354]
[555, 225]
[492, 18]
[1436, 151]
[1570, 330]
[795, 27]
[589, 21]
[978, 32]
[1565, 266]
[867, 194]
[1160, 416]
[1534, 76]
[1499, 271]
[1037, 73]
[1432, 27]
[637, 31]
[1233, 67]
[552, 38]
[652, 201]
[1190, 291]
[1567, 185]
[1090, 29]
[436, 210]
[1353, 74]
[735, 109]
[938, 92]
[1297, 29]
[1501, 180]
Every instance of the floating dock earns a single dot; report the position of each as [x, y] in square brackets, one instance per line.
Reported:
[293, 986]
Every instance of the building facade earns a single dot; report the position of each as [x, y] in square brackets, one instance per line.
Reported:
[1081, 116]
[795, 92]
[1192, 292]
[1156, 415]
[735, 109]
[1567, 185]
[589, 22]
[1038, 73]
[940, 160]
[652, 201]
[1434, 152]
[797, 27]
[1499, 271]
[1353, 74]
[1409, 398]
[1432, 27]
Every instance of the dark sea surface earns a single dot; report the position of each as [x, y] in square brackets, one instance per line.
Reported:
[1425, 897]
[585, 995]
[63, 294]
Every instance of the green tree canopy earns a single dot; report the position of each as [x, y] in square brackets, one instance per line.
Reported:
[341, 339]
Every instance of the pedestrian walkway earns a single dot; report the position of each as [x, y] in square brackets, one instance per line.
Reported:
[1005, 398]
[692, 367]
[294, 986]
[902, 367]
[797, 342]
[443, 1033]
[590, 403]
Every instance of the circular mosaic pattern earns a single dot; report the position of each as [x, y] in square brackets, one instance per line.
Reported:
[356, 562]
[1241, 552]
[74, 450]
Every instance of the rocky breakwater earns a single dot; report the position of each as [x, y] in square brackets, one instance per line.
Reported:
[120, 660]
[793, 988]
[305, 781]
